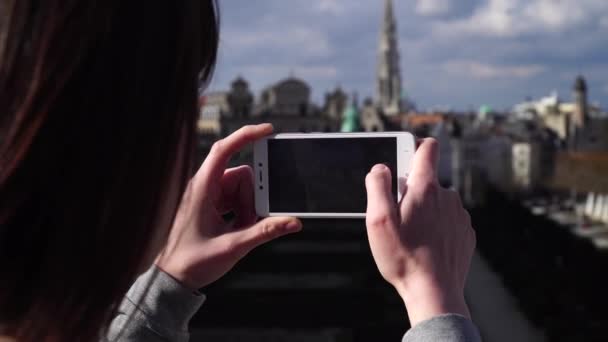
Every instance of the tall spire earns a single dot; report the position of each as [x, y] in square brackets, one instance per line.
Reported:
[389, 17]
[389, 74]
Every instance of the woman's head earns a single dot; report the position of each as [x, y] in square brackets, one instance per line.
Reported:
[99, 109]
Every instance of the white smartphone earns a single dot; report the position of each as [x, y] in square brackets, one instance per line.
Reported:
[322, 175]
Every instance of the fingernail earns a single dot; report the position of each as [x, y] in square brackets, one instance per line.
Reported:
[267, 126]
[293, 226]
[379, 167]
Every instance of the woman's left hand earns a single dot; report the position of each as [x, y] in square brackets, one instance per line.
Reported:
[202, 246]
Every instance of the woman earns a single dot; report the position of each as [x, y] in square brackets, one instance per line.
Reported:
[99, 109]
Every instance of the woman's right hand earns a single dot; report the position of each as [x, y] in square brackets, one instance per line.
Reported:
[424, 245]
[202, 246]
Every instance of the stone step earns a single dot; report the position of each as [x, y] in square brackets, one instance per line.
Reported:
[319, 247]
[318, 285]
[274, 335]
[307, 263]
[295, 282]
[338, 283]
[300, 310]
[333, 229]
[350, 334]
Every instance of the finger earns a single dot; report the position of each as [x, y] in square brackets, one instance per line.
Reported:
[237, 195]
[381, 212]
[473, 238]
[230, 184]
[214, 165]
[455, 198]
[264, 231]
[425, 163]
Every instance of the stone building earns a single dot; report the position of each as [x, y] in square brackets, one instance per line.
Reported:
[372, 119]
[240, 99]
[335, 103]
[587, 133]
[579, 125]
[595, 136]
[526, 165]
[514, 158]
[213, 107]
[290, 97]
[286, 104]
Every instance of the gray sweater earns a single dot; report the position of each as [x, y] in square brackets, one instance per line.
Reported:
[158, 309]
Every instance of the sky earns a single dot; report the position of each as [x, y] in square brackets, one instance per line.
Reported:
[456, 54]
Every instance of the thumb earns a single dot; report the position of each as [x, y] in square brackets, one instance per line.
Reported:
[266, 230]
[381, 205]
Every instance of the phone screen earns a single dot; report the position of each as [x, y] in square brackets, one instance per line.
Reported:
[325, 175]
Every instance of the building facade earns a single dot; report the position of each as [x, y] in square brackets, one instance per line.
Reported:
[526, 166]
[579, 125]
[290, 97]
[335, 103]
[240, 99]
[286, 104]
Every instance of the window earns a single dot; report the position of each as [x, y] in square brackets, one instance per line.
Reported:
[303, 108]
[522, 165]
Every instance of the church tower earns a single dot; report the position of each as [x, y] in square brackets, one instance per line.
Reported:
[580, 98]
[389, 74]
[580, 116]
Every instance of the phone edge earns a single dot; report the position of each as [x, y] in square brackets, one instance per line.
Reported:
[261, 156]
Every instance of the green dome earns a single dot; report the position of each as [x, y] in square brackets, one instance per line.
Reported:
[485, 109]
[350, 122]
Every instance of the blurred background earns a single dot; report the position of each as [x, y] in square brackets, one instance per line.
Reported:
[516, 93]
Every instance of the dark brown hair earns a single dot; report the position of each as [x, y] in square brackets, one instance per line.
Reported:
[98, 104]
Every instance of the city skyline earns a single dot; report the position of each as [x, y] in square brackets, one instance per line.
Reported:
[457, 54]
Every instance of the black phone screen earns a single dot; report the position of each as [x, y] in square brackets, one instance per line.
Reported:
[325, 175]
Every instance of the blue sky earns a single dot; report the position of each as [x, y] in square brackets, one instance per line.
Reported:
[456, 53]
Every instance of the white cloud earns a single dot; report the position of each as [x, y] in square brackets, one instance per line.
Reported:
[507, 18]
[485, 71]
[432, 7]
[497, 48]
[302, 40]
[335, 7]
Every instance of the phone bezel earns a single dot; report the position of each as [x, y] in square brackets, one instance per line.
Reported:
[406, 146]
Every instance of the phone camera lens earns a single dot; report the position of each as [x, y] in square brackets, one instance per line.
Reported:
[261, 188]
[260, 164]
